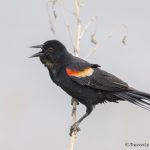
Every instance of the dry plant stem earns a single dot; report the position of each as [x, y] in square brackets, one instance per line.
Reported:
[86, 27]
[76, 52]
[73, 137]
[66, 23]
[108, 36]
[78, 30]
[49, 17]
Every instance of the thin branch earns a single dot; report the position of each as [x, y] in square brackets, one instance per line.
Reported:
[53, 7]
[84, 30]
[49, 17]
[74, 117]
[76, 52]
[108, 36]
[67, 25]
[63, 10]
[66, 9]
[98, 45]
[93, 40]
[124, 40]
[78, 30]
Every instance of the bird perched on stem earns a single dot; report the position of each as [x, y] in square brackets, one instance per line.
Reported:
[86, 82]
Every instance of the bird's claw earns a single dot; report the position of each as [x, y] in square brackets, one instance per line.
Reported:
[74, 128]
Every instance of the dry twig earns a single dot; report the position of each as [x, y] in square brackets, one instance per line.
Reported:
[74, 117]
[108, 36]
[49, 17]
[84, 30]
[78, 30]
[76, 52]
[67, 25]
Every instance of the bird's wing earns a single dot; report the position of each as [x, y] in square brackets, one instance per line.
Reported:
[90, 75]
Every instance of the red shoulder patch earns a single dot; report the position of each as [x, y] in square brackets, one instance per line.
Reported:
[83, 73]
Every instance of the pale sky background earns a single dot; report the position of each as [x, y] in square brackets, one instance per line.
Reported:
[35, 113]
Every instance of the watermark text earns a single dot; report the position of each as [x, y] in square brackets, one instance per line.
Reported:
[138, 145]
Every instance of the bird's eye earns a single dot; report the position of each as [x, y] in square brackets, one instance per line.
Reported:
[51, 49]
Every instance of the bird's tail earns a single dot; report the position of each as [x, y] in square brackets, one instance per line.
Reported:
[136, 97]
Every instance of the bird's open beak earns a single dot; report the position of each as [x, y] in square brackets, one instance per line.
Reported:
[39, 54]
[37, 46]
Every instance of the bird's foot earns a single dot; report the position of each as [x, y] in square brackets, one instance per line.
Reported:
[74, 128]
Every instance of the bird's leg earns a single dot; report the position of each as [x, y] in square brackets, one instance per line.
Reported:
[74, 99]
[75, 126]
[74, 102]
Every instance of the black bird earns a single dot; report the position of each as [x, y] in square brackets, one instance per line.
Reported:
[86, 82]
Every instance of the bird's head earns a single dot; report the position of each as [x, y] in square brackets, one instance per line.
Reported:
[53, 51]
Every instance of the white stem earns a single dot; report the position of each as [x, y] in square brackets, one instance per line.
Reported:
[49, 17]
[76, 52]
[108, 36]
[78, 30]
[74, 117]
[86, 27]
[67, 25]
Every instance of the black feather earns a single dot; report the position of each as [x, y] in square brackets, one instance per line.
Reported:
[136, 97]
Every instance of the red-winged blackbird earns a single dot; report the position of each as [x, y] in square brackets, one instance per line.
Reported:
[86, 82]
